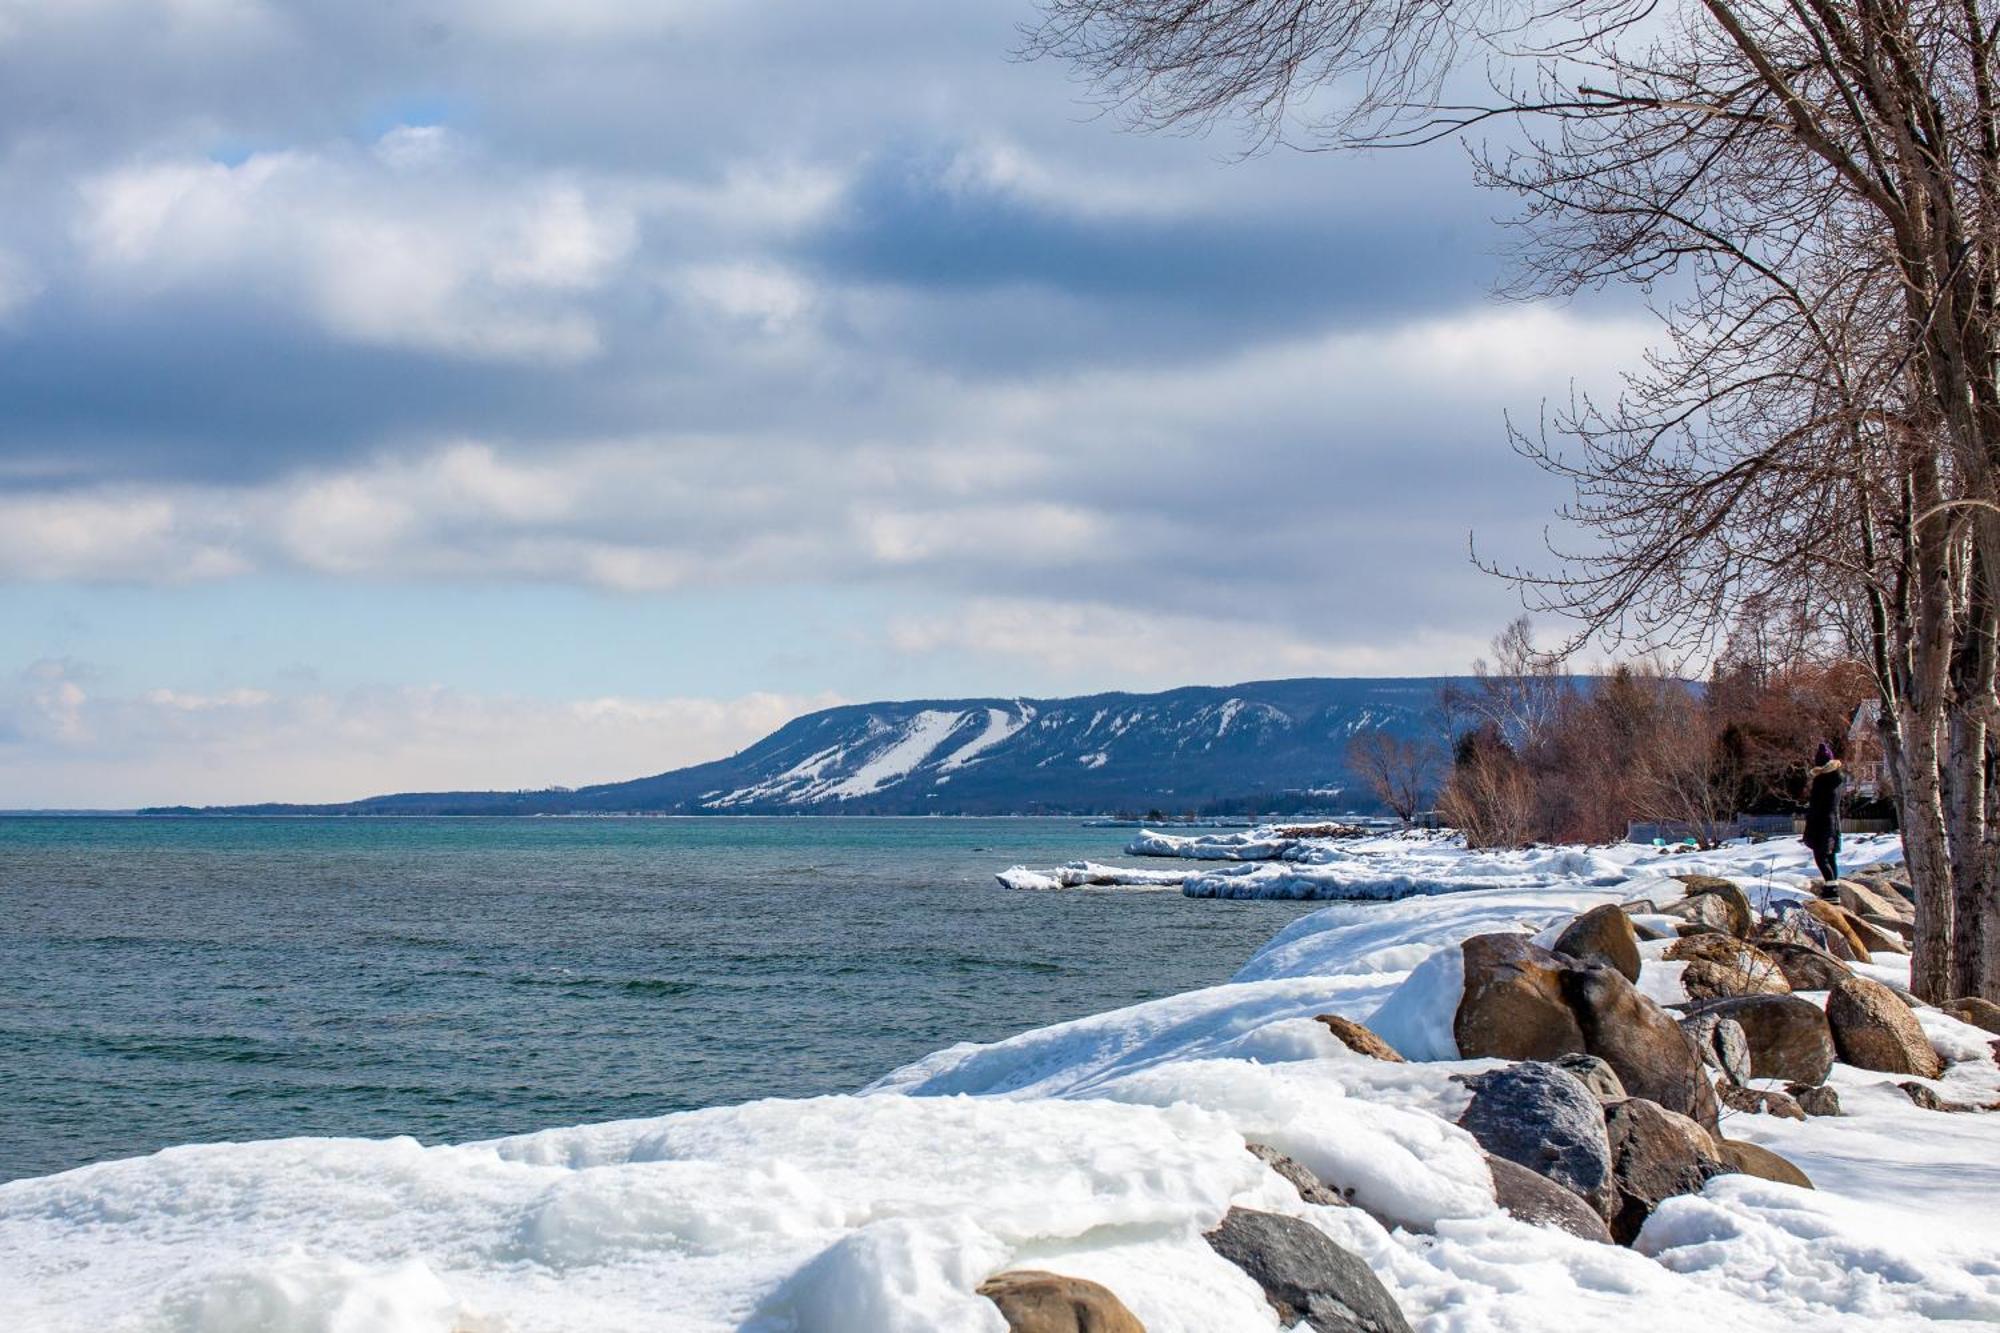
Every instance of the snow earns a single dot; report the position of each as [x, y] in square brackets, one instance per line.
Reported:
[921, 735]
[1100, 1147]
[1000, 724]
[1089, 874]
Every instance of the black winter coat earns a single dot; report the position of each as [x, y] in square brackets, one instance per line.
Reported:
[1823, 807]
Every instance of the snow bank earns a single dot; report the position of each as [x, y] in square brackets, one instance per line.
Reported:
[1100, 1147]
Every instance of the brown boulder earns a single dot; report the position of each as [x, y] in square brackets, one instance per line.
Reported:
[1838, 921]
[1513, 1005]
[1865, 899]
[1697, 883]
[1789, 1037]
[1752, 1101]
[1873, 1029]
[1804, 929]
[1971, 1009]
[1906, 931]
[1655, 1155]
[1721, 965]
[1805, 966]
[1875, 938]
[1357, 1038]
[1645, 1047]
[1752, 1160]
[1719, 909]
[1820, 1100]
[1035, 1302]
[1603, 935]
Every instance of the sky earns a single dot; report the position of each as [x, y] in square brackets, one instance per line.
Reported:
[405, 394]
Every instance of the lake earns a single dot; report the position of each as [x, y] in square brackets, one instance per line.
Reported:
[173, 981]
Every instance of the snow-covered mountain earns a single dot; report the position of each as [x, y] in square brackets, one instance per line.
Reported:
[1261, 745]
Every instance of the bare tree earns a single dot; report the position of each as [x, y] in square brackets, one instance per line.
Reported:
[1400, 771]
[1821, 429]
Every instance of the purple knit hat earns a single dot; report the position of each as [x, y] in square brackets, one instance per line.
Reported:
[1824, 754]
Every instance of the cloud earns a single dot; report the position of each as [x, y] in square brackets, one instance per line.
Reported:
[64, 745]
[405, 243]
[1090, 642]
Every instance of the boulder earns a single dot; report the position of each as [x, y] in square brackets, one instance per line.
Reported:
[1725, 909]
[1594, 1074]
[1603, 935]
[1865, 899]
[1310, 1187]
[1906, 931]
[1698, 883]
[1972, 1009]
[1836, 920]
[1036, 1302]
[1873, 1029]
[1655, 1155]
[1644, 1047]
[1537, 1200]
[1753, 1101]
[1305, 1275]
[1820, 1100]
[1722, 1044]
[1802, 928]
[1930, 1100]
[1722, 965]
[1789, 1037]
[1539, 1117]
[1806, 967]
[1357, 1038]
[1513, 1006]
[1752, 1160]
[1874, 938]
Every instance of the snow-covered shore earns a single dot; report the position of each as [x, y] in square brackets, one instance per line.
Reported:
[1101, 1148]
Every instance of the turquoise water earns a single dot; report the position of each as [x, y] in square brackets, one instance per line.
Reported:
[175, 981]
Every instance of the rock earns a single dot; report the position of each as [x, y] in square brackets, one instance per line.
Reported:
[1864, 899]
[1513, 1003]
[1874, 938]
[1539, 1117]
[1736, 916]
[1972, 1009]
[1310, 1187]
[1837, 921]
[1646, 932]
[1906, 931]
[1722, 1045]
[1035, 1302]
[1655, 1155]
[1752, 1101]
[1357, 1038]
[1603, 935]
[1536, 1199]
[1722, 965]
[1789, 1037]
[1752, 1160]
[1806, 967]
[1802, 928]
[1873, 1029]
[1727, 912]
[1929, 1099]
[1594, 1074]
[1305, 1275]
[1820, 1100]
[1644, 1047]
[1639, 907]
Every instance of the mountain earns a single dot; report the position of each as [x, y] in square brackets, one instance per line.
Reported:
[1267, 746]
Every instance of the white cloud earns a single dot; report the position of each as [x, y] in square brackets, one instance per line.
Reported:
[1088, 641]
[63, 744]
[413, 243]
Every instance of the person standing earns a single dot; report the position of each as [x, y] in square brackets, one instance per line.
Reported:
[1823, 781]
